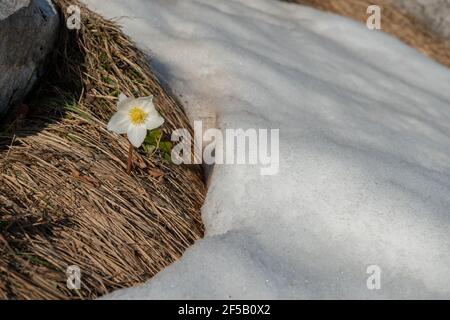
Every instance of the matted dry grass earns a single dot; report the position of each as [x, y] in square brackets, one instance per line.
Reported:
[65, 198]
[394, 21]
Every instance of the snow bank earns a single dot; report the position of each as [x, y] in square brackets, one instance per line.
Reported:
[364, 152]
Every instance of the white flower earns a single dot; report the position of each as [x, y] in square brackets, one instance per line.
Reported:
[134, 117]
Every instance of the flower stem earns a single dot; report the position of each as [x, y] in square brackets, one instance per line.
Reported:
[130, 159]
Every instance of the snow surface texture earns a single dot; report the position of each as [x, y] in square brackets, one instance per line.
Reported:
[364, 152]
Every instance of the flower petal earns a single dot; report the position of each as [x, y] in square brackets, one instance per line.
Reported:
[119, 123]
[154, 122]
[122, 97]
[124, 103]
[137, 134]
[146, 103]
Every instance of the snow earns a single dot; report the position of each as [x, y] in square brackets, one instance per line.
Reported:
[364, 174]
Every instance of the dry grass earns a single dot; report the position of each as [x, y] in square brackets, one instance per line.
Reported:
[394, 21]
[65, 198]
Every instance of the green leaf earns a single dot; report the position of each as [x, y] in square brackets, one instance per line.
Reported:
[165, 146]
[148, 148]
[153, 141]
[167, 157]
[153, 137]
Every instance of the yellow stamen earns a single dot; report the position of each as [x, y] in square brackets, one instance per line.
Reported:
[137, 116]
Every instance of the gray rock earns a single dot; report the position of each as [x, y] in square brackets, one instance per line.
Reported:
[28, 30]
[434, 13]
